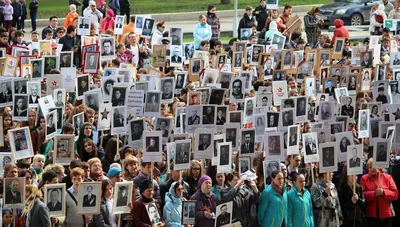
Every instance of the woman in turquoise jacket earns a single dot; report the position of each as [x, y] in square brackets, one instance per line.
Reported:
[300, 211]
[202, 31]
[273, 206]
[173, 205]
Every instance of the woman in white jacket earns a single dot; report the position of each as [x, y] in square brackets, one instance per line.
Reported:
[158, 33]
[377, 18]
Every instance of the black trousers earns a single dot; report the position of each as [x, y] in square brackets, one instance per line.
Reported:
[387, 222]
[126, 12]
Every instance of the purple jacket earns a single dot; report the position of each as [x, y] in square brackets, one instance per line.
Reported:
[204, 203]
[8, 12]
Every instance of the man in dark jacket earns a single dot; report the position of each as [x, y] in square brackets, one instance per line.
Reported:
[70, 43]
[261, 14]
[53, 22]
[247, 21]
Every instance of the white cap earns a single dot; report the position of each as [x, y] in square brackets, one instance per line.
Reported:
[92, 3]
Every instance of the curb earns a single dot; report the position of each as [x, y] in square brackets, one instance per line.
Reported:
[179, 16]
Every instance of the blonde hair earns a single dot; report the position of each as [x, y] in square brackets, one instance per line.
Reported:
[38, 157]
[93, 161]
[55, 167]
[32, 192]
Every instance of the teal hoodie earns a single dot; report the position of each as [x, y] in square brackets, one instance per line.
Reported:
[273, 29]
[300, 210]
[273, 208]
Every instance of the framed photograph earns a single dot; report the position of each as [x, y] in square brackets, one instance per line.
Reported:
[5, 158]
[64, 149]
[237, 60]
[310, 141]
[66, 59]
[51, 124]
[347, 107]
[204, 143]
[51, 62]
[328, 157]
[237, 89]
[33, 92]
[279, 91]
[159, 56]
[10, 66]
[293, 139]
[195, 67]
[176, 56]
[153, 213]
[89, 197]
[188, 212]
[20, 143]
[26, 71]
[54, 198]
[124, 192]
[247, 141]
[118, 120]
[83, 26]
[287, 116]
[45, 47]
[338, 48]
[273, 145]
[245, 34]
[244, 164]
[327, 110]
[366, 59]
[91, 64]
[14, 192]
[104, 117]
[352, 83]
[354, 159]
[118, 96]
[224, 164]
[182, 154]
[82, 85]
[381, 153]
[136, 128]
[119, 22]
[152, 144]
[224, 214]
[270, 166]
[153, 104]
[107, 48]
[147, 29]
[363, 123]
[20, 108]
[278, 40]
[77, 122]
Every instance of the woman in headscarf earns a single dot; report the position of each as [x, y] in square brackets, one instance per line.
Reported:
[35, 211]
[325, 200]
[312, 25]
[173, 205]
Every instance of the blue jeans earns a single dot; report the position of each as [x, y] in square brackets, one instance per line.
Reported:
[33, 20]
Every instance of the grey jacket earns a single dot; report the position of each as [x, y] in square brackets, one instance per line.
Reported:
[103, 219]
[39, 215]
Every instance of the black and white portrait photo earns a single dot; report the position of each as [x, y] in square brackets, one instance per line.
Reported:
[167, 87]
[176, 36]
[153, 102]
[91, 62]
[188, 212]
[55, 198]
[347, 108]
[182, 154]
[287, 117]
[107, 48]
[20, 86]
[118, 97]
[118, 119]
[328, 157]
[354, 159]
[176, 55]
[363, 123]
[237, 59]
[293, 139]
[37, 68]
[180, 80]
[237, 89]
[66, 58]
[82, 85]
[273, 145]
[245, 34]
[14, 192]
[249, 107]
[366, 59]
[224, 157]
[147, 29]
[301, 107]
[122, 197]
[164, 125]
[189, 50]
[224, 214]
[136, 129]
[247, 141]
[272, 119]
[338, 46]
[6, 93]
[83, 26]
[119, 23]
[208, 115]
[77, 122]
[310, 142]
[232, 133]
[152, 212]
[326, 112]
[89, 197]
[278, 40]
[51, 124]
[20, 109]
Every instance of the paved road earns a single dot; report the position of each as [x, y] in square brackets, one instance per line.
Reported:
[356, 33]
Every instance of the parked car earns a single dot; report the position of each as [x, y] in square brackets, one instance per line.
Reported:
[352, 12]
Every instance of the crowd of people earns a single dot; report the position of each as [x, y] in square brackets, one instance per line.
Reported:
[276, 128]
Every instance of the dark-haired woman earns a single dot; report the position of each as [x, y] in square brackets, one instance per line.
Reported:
[352, 202]
[86, 131]
[272, 210]
[106, 218]
[245, 197]
[300, 211]
[213, 21]
[325, 200]
[109, 153]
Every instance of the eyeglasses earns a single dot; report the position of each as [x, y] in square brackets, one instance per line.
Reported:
[60, 32]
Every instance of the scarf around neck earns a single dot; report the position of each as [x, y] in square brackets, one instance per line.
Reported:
[277, 187]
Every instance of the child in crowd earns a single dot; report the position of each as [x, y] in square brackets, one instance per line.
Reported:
[7, 217]
[38, 165]
[8, 15]
[123, 54]
[108, 22]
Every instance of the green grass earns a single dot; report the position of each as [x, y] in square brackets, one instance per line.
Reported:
[173, 6]
[59, 8]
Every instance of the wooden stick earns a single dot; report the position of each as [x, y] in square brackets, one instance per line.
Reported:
[101, 138]
[312, 173]
[354, 184]
[379, 179]
[87, 225]
[151, 173]
[118, 146]
[119, 220]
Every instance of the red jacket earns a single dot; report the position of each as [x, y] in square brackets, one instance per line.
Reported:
[390, 193]
[340, 31]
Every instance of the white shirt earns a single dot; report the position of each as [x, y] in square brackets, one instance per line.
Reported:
[112, 219]
[135, 50]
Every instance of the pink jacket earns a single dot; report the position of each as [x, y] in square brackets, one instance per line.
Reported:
[107, 24]
[100, 3]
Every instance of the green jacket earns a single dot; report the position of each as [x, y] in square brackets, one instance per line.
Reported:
[300, 210]
[273, 208]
